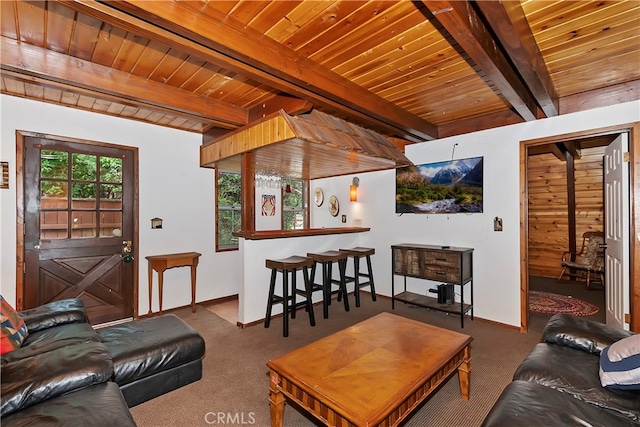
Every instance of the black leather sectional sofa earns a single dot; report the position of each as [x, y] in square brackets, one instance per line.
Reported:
[558, 384]
[68, 374]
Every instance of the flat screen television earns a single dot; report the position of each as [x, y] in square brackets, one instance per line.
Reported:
[453, 186]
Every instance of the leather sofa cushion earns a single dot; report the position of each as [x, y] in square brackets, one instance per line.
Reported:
[98, 405]
[51, 339]
[55, 313]
[145, 347]
[582, 334]
[575, 372]
[29, 381]
[525, 404]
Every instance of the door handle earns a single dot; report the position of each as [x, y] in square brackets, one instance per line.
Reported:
[127, 251]
[602, 245]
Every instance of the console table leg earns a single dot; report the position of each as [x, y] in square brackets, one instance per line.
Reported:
[150, 286]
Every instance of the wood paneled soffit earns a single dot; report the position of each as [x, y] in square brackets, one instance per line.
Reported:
[464, 26]
[234, 46]
[68, 72]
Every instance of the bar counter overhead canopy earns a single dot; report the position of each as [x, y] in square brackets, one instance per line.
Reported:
[308, 146]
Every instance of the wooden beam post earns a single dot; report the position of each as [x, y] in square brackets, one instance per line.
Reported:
[247, 177]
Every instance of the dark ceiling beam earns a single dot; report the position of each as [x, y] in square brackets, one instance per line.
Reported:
[465, 26]
[207, 35]
[558, 151]
[509, 22]
[570, 146]
[65, 71]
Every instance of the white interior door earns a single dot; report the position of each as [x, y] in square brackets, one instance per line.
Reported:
[616, 205]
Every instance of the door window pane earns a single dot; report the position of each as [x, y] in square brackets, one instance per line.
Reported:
[110, 224]
[54, 190]
[110, 192]
[84, 167]
[84, 196]
[54, 225]
[83, 224]
[110, 169]
[54, 164]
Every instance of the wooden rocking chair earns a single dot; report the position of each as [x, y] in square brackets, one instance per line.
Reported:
[590, 259]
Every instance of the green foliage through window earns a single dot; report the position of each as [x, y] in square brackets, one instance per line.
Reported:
[54, 169]
[229, 209]
[293, 204]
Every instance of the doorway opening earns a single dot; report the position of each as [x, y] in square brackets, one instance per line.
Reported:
[565, 200]
[567, 147]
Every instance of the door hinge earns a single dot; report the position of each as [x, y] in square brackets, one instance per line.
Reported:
[24, 267]
[626, 157]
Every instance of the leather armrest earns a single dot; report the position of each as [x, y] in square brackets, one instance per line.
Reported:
[44, 376]
[55, 313]
[580, 333]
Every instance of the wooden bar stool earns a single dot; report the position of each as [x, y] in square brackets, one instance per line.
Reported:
[358, 253]
[288, 297]
[326, 259]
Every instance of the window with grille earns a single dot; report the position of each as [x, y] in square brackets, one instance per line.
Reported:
[293, 207]
[229, 210]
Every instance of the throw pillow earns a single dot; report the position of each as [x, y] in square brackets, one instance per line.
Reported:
[620, 364]
[14, 330]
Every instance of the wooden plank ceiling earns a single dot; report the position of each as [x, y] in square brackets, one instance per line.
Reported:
[412, 71]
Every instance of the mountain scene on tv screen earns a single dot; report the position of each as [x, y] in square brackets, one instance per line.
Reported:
[446, 187]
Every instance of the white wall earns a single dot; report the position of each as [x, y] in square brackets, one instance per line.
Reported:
[496, 254]
[172, 186]
[189, 215]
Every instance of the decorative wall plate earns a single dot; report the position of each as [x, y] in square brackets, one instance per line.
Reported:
[318, 196]
[334, 206]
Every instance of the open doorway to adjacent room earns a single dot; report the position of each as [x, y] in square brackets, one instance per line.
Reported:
[565, 200]
[618, 217]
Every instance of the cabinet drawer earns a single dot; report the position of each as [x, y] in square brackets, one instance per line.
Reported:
[442, 274]
[446, 259]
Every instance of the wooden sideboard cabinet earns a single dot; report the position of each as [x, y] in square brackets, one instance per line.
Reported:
[444, 264]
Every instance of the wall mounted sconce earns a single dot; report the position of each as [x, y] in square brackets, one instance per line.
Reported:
[156, 223]
[353, 189]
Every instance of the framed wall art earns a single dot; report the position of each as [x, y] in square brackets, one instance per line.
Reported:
[4, 174]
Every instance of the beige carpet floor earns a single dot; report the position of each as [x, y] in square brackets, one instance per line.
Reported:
[234, 387]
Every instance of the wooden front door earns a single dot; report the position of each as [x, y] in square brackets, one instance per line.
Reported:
[78, 219]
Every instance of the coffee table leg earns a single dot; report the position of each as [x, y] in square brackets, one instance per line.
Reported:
[276, 401]
[463, 374]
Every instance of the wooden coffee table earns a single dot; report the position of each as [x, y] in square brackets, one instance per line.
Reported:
[372, 373]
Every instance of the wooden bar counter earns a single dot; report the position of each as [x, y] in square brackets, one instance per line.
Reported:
[254, 247]
[279, 234]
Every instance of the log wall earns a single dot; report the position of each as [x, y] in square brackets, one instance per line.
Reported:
[548, 216]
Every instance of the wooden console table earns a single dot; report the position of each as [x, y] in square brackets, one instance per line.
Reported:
[444, 264]
[160, 263]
